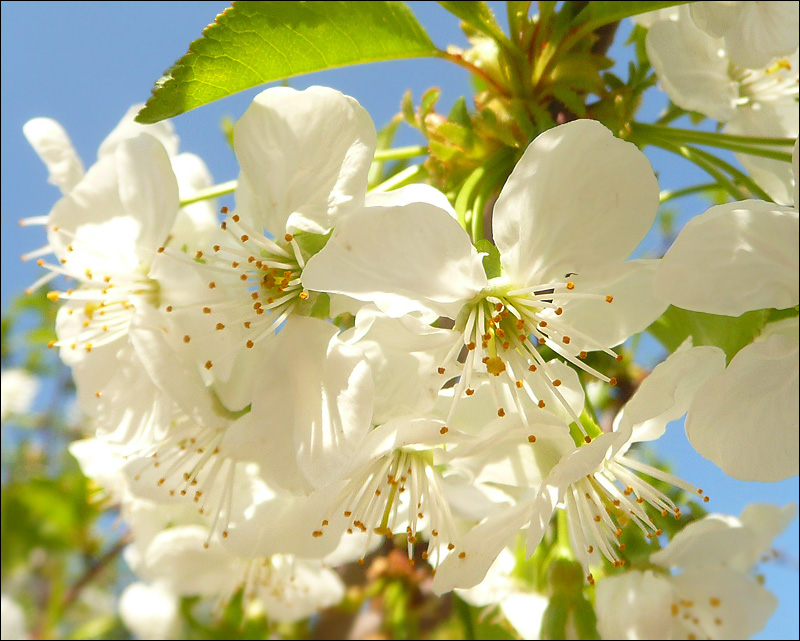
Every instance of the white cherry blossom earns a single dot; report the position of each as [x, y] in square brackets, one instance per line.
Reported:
[562, 247]
[746, 255]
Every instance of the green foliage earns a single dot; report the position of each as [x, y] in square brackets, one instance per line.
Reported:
[476, 14]
[600, 13]
[726, 332]
[253, 43]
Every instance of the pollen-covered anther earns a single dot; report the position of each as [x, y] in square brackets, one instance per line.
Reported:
[462, 555]
[471, 345]
[531, 438]
[224, 210]
[501, 412]
[220, 326]
[541, 404]
[303, 295]
[249, 344]
[208, 364]
[244, 238]
[566, 340]
[199, 254]
[469, 391]
[587, 439]
[590, 579]
[612, 381]
[519, 384]
[187, 338]
[206, 310]
[556, 382]
[316, 534]
[444, 430]
[570, 285]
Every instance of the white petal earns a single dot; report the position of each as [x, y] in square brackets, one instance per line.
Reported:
[716, 18]
[404, 354]
[302, 589]
[13, 619]
[665, 395]
[634, 605]
[178, 559]
[633, 309]
[409, 195]
[305, 156]
[150, 611]
[311, 407]
[525, 611]
[768, 120]
[127, 128]
[578, 197]
[732, 259]
[404, 259]
[766, 521]
[195, 223]
[763, 31]
[744, 606]
[155, 340]
[480, 547]
[746, 419]
[714, 540]
[120, 213]
[266, 522]
[690, 68]
[51, 142]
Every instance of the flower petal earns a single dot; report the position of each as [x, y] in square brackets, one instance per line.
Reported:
[633, 308]
[690, 68]
[51, 142]
[734, 258]
[305, 156]
[745, 419]
[404, 259]
[578, 197]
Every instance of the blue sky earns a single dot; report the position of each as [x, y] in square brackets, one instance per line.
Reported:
[85, 63]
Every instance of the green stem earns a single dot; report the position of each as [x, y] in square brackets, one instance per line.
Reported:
[401, 153]
[742, 144]
[668, 195]
[706, 161]
[465, 195]
[399, 179]
[210, 192]
[686, 152]
[461, 62]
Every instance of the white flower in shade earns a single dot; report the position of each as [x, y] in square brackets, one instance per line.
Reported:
[520, 604]
[13, 619]
[393, 484]
[696, 72]
[598, 483]
[104, 233]
[576, 205]
[188, 563]
[649, 18]
[699, 73]
[150, 611]
[732, 259]
[713, 597]
[305, 158]
[18, 388]
[754, 32]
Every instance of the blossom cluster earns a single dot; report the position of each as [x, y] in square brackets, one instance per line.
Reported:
[278, 386]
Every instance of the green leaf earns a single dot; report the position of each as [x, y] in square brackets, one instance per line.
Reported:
[476, 14]
[600, 13]
[252, 43]
[726, 332]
